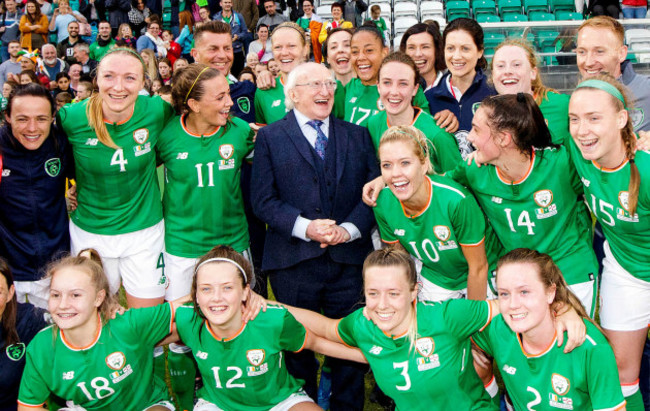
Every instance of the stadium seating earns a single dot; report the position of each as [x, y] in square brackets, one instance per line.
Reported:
[484, 7]
[431, 10]
[457, 9]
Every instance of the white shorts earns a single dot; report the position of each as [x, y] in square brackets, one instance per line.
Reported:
[34, 292]
[167, 404]
[290, 401]
[180, 272]
[432, 292]
[624, 299]
[586, 293]
[133, 259]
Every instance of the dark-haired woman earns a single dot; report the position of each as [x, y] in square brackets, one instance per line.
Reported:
[525, 207]
[423, 43]
[616, 180]
[19, 323]
[463, 88]
[35, 161]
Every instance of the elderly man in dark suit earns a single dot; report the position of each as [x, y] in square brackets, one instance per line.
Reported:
[308, 173]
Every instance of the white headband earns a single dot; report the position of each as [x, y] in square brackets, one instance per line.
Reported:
[227, 260]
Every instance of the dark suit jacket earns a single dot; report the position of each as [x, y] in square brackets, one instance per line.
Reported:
[285, 185]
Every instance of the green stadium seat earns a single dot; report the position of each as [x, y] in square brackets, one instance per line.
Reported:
[484, 7]
[491, 40]
[514, 17]
[549, 60]
[509, 6]
[568, 15]
[540, 16]
[546, 38]
[456, 9]
[557, 5]
[535, 5]
[488, 18]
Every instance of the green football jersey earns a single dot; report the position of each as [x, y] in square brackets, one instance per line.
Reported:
[606, 193]
[538, 212]
[438, 373]
[247, 371]
[269, 104]
[114, 372]
[96, 52]
[117, 189]
[204, 171]
[555, 109]
[451, 219]
[362, 102]
[444, 154]
[584, 379]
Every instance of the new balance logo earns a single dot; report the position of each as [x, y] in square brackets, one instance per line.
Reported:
[68, 375]
[353, 99]
[585, 181]
[497, 200]
[399, 232]
[181, 156]
[375, 350]
[510, 370]
[202, 355]
[276, 103]
[91, 142]
[6, 173]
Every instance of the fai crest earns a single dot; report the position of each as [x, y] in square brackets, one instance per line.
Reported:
[543, 198]
[244, 104]
[380, 105]
[560, 384]
[53, 167]
[16, 351]
[475, 107]
[441, 232]
[255, 357]
[116, 360]
[141, 135]
[226, 151]
[623, 199]
[425, 346]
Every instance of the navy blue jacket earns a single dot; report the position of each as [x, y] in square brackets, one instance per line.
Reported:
[440, 98]
[33, 215]
[285, 184]
[242, 94]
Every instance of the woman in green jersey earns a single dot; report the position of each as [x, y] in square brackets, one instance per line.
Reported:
[616, 180]
[419, 352]
[289, 49]
[242, 364]
[434, 218]
[398, 84]
[514, 70]
[525, 207]
[537, 373]
[113, 136]
[87, 359]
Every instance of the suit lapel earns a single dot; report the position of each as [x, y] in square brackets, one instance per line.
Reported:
[342, 140]
[295, 135]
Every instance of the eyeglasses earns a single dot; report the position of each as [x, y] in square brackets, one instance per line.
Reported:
[317, 85]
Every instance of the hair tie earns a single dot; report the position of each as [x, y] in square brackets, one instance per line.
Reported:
[225, 260]
[192, 86]
[414, 139]
[604, 86]
[632, 161]
[521, 97]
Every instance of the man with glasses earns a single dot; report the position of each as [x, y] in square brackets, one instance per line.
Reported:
[308, 172]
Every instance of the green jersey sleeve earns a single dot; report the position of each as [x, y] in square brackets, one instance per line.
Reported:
[339, 101]
[346, 328]
[421, 101]
[387, 236]
[34, 388]
[293, 335]
[151, 323]
[466, 317]
[468, 222]
[602, 373]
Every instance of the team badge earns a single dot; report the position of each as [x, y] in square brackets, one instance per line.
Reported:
[244, 104]
[255, 357]
[16, 351]
[637, 116]
[624, 199]
[116, 360]
[226, 151]
[53, 167]
[141, 135]
[425, 346]
[543, 198]
[560, 384]
[475, 107]
[441, 232]
[380, 105]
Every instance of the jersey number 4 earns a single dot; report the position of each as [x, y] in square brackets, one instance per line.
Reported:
[119, 160]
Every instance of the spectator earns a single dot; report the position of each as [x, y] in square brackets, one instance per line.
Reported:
[272, 18]
[151, 40]
[249, 10]
[352, 11]
[308, 16]
[156, 85]
[61, 17]
[274, 67]
[28, 76]
[11, 65]
[337, 21]
[50, 65]
[423, 43]
[634, 9]
[247, 74]
[179, 64]
[165, 71]
[165, 93]
[46, 8]
[609, 8]
[93, 11]
[125, 36]
[186, 38]
[33, 27]
[239, 33]
[204, 13]
[7, 88]
[84, 90]
[65, 48]
[139, 17]
[103, 43]
[27, 63]
[262, 46]
[62, 85]
[150, 64]
[81, 54]
[118, 13]
[62, 99]
[75, 75]
[337, 53]
[252, 60]
[10, 27]
[377, 20]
